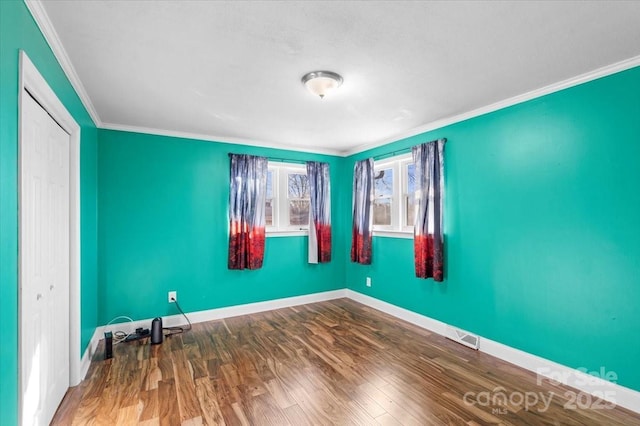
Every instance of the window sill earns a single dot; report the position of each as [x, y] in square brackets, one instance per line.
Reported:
[291, 233]
[394, 234]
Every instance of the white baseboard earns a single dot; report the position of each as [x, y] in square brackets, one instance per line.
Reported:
[544, 368]
[251, 308]
[425, 322]
[85, 361]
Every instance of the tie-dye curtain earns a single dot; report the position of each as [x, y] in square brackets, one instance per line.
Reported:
[247, 190]
[362, 217]
[319, 212]
[428, 231]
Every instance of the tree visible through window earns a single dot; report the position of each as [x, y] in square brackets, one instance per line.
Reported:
[409, 198]
[298, 188]
[268, 214]
[383, 196]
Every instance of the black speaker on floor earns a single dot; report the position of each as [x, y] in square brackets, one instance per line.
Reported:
[156, 331]
[108, 345]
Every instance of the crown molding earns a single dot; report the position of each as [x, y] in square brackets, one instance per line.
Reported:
[218, 139]
[555, 87]
[43, 22]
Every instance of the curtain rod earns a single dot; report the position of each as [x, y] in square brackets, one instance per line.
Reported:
[392, 154]
[278, 159]
[286, 160]
[400, 151]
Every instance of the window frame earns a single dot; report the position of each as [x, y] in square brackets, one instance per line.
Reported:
[398, 229]
[280, 200]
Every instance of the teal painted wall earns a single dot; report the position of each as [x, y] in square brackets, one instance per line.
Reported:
[164, 226]
[542, 227]
[19, 31]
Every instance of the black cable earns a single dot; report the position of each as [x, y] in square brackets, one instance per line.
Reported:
[183, 314]
[177, 330]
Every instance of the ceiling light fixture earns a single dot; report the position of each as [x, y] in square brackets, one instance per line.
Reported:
[321, 82]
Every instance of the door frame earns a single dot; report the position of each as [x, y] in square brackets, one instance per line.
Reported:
[32, 81]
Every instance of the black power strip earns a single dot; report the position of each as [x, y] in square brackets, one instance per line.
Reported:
[140, 333]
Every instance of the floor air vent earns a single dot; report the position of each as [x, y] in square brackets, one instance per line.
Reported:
[463, 337]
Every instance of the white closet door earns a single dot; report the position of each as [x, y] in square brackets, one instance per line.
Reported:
[44, 263]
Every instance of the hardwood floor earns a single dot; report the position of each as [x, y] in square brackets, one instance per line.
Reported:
[336, 362]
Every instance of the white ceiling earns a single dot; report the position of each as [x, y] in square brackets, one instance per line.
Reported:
[230, 70]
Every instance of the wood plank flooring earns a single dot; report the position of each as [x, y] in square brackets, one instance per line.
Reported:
[329, 363]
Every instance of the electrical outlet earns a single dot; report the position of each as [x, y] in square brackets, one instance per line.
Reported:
[173, 296]
[368, 281]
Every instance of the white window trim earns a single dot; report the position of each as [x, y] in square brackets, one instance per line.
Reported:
[397, 229]
[394, 234]
[280, 206]
[404, 164]
[277, 234]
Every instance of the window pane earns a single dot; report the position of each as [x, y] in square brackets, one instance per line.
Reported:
[383, 183]
[409, 208]
[411, 178]
[382, 211]
[298, 185]
[269, 184]
[410, 197]
[299, 212]
[268, 213]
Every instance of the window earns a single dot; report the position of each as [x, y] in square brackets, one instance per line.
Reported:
[393, 203]
[287, 204]
[268, 214]
[408, 196]
[383, 199]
